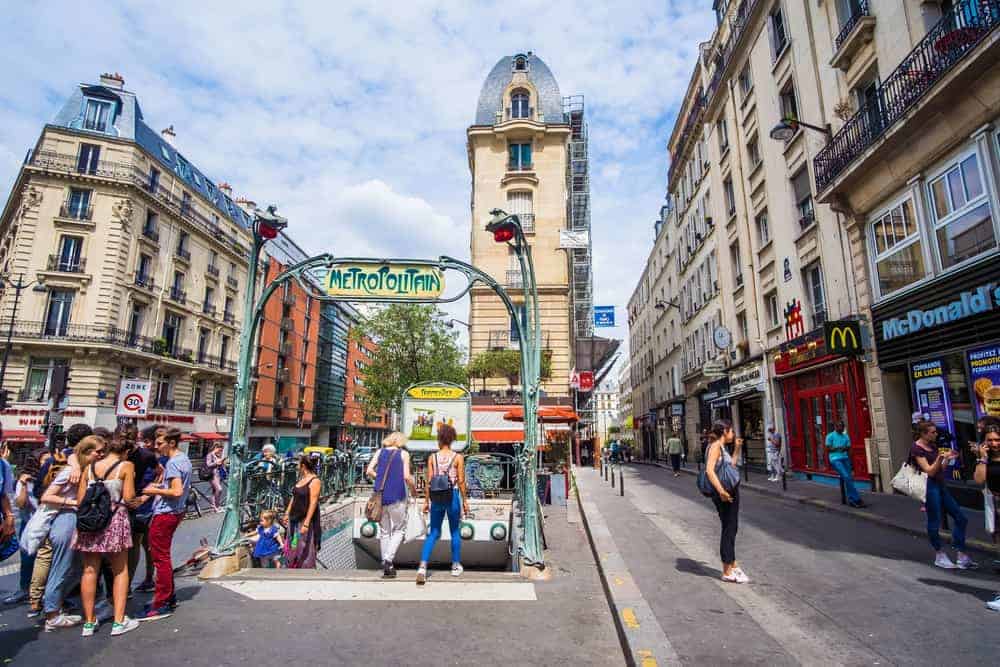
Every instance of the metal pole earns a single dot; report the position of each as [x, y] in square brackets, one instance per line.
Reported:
[843, 492]
[613, 475]
[621, 481]
[10, 327]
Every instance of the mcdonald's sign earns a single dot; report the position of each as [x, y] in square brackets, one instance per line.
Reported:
[843, 337]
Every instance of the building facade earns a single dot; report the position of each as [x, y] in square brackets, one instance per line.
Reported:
[331, 373]
[136, 262]
[528, 155]
[361, 429]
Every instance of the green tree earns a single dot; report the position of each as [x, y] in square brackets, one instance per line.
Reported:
[505, 364]
[414, 345]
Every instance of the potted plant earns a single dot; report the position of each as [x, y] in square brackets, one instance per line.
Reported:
[159, 345]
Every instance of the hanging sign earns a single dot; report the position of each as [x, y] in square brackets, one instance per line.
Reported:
[133, 398]
[604, 316]
[427, 407]
[984, 372]
[572, 240]
[843, 337]
[369, 280]
[586, 380]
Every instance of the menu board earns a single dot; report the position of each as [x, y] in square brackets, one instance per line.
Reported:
[930, 391]
[984, 373]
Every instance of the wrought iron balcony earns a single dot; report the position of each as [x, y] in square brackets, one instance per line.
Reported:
[76, 212]
[232, 283]
[151, 233]
[144, 281]
[945, 45]
[178, 295]
[164, 403]
[198, 406]
[859, 10]
[527, 222]
[66, 265]
[212, 270]
[208, 309]
[183, 254]
[228, 318]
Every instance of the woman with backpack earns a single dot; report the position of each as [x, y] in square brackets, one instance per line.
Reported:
[104, 531]
[726, 498]
[446, 494]
[61, 496]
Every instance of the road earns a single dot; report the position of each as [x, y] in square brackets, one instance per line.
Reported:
[825, 588]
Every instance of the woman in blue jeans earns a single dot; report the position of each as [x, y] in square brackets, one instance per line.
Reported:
[925, 455]
[449, 464]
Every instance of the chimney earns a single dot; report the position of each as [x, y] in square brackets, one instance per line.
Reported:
[168, 135]
[247, 205]
[226, 189]
[116, 81]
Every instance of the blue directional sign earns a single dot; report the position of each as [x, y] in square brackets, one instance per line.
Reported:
[604, 316]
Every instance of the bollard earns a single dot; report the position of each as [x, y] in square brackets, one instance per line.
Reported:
[784, 480]
[613, 477]
[746, 469]
[843, 492]
[621, 481]
[604, 469]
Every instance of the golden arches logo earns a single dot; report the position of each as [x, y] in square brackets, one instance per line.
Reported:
[838, 336]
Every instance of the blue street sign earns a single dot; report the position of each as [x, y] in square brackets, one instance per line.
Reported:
[604, 316]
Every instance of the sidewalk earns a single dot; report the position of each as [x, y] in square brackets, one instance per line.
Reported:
[887, 509]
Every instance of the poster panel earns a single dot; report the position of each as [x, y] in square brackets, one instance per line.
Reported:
[930, 391]
[984, 373]
[427, 407]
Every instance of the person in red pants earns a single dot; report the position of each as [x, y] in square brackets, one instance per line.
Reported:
[169, 503]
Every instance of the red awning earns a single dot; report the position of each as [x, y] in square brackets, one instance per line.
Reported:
[23, 435]
[207, 435]
[487, 435]
[546, 415]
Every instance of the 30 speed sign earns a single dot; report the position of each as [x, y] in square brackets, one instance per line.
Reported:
[133, 398]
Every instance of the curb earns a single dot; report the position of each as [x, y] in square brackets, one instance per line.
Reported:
[643, 640]
[972, 544]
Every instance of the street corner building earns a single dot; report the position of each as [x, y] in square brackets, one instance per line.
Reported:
[131, 264]
[834, 169]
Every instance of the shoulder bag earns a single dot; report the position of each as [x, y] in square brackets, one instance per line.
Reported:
[373, 508]
[911, 481]
[37, 528]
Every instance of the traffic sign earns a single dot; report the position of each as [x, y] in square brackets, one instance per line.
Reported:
[604, 316]
[133, 398]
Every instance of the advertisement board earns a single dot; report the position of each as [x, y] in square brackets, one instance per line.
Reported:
[426, 407]
[984, 372]
[133, 398]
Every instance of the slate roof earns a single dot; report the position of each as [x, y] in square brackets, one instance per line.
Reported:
[549, 99]
[129, 124]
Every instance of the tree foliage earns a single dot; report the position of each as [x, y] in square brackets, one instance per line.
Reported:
[414, 345]
[505, 364]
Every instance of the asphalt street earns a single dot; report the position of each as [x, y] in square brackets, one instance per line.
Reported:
[825, 588]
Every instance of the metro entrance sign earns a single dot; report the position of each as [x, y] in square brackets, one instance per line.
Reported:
[361, 281]
[133, 398]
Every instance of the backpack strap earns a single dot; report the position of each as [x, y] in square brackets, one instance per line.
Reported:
[106, 472]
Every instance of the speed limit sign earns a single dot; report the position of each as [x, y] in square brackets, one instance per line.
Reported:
[133, 398]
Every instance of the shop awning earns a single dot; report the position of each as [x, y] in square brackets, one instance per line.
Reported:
[205, 435]
[735, 394]
[23, 435]
[490, 435]
[547, 415]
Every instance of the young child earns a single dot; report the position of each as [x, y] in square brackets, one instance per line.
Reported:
[269, 544]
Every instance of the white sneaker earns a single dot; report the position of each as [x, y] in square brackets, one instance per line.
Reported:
[963, 562]
[741, 576]
[421, 576]
[994, 604]
[942, 561]
[457, 569]
[127, 625]
[104, 611]
[62, 621]
[90, 628]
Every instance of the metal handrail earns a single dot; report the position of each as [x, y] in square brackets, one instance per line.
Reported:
[858, 12]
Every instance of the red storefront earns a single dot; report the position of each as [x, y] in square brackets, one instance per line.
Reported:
[817, 390]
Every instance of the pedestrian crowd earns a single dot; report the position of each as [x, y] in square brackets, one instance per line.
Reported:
[86, 513]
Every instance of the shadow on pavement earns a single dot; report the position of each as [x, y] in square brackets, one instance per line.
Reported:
[984, 594]
[690, 566]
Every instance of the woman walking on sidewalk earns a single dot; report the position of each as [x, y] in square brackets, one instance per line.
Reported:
[390, 471]
[727, 501]
[446, 474]
[302, 518]
[927, 457]
[987, 473]
[214, 462]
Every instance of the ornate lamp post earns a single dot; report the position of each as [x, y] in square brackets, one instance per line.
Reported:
[266, 226]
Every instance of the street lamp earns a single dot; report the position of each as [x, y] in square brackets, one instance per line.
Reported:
[789, 125]
[18, 286]
[452, 322]
[663, 305]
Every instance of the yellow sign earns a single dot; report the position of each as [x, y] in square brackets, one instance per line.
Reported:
[437, 393]
[373, 281]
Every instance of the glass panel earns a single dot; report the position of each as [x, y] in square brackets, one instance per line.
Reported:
[819, 435]
[842, 409]
[957, 189]
[940, 197]
[909, 220]
[901, 268]
[966, 236]
[970, 172]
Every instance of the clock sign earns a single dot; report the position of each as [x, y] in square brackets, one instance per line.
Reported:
[723, 339]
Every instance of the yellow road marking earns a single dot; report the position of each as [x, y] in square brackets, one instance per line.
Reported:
[628, 615]
[619, 581]
[646, 658]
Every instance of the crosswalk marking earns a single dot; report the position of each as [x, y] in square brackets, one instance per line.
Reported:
[382, 591]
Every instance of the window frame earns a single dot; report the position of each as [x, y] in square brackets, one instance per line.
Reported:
[812, 282]
[520, 104]
[745, 81]
[776, 52]
[934, 224]
[875, 257]
[762, 239]
[108, 118]
[517, 148]
[773, 315]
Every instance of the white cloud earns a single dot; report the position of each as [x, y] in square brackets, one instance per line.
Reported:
[351, 116]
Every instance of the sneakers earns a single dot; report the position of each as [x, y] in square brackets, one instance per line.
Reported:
[942, 561]
[34, 613]
[90, 628]
[457, 569]
[965, 563]
[145, 587]
[994, 604]
[736, 576]
[421, 575]
[127, 625]
[155, 614]
[104, 611]
[16, 598]
[388, 571]
[62, 621]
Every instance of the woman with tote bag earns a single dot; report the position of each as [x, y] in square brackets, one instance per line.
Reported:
[390, 471]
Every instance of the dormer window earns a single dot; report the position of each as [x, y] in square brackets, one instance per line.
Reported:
[97, 115]
[520, 64]
[519, 104]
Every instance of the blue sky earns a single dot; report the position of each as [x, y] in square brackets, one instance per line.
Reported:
[351, 117]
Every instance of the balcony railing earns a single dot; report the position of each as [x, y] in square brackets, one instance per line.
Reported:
[945, 45]
[527, 222]
[76, 212]
[232, 283]
[198, 406]
[693, 121]
[178, 295]
[183, 254]
[212, 270]
[151, 233]
[164, 403]
[144, 281]
[859, 10]
[228, 318]
[219, 408]
[514, 278]
[62, 265]
[208, 309]
[109, 335]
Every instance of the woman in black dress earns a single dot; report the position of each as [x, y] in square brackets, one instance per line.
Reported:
[302, 518]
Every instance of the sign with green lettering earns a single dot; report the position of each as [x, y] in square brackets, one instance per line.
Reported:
[362, 280]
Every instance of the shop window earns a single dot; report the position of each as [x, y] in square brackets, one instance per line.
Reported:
[963, 224]
[940, 389]
[897, 248]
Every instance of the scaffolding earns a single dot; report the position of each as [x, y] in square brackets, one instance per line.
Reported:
[578, 217]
